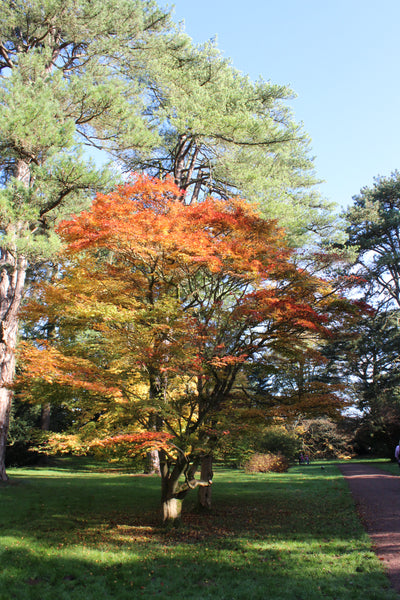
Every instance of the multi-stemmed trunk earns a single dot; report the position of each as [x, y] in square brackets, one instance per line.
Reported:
[173, 489]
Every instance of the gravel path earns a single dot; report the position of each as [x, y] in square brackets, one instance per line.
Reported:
[377, 497]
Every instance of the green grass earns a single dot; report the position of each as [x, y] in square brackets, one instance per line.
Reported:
[79, 534]
[386, 465]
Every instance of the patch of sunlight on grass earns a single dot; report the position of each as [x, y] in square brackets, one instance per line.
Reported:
[97, 535]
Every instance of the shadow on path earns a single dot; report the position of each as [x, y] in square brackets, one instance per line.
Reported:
[377, 497]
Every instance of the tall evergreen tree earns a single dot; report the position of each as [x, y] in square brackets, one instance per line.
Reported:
[222, 134]
[60, 89]
[374, 228]
[368, 361]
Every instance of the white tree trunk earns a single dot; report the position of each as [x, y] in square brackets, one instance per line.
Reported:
[153, 463]
[171, 510]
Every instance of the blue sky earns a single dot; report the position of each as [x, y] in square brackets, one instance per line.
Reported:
[340, 57]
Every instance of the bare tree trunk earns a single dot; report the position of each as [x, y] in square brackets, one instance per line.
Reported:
[152, 458]
[45, 426]
[153, 463]
[45, 417]
[5, 407]
[11, 290]
[204, 493]
[7, 371]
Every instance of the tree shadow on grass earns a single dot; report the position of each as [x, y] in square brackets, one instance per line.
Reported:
[98, 507]
[100, 537]
[178, 575]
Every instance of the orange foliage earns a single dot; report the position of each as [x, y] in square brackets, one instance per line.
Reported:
[48, 364]
[146, 220]
[182, 295]
[136, 442]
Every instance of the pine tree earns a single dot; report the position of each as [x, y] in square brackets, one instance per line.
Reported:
[374, 230]
[221, 134]
[60, 89]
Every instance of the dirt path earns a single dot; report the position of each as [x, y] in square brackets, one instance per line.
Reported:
[377, 497]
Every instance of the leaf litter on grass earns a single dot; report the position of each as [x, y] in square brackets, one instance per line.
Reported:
[261, 539]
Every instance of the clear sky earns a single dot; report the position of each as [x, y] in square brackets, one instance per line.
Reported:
[340, 57]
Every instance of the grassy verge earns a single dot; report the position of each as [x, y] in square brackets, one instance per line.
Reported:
[389, 467]
[72, 534]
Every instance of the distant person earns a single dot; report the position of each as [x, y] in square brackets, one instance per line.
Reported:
[301, 458]
[397, 454]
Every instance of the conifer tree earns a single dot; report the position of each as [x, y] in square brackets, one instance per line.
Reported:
[222, 134]
[374, 230]
[60, 89]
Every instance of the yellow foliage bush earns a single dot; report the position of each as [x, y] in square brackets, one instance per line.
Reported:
[267, 463]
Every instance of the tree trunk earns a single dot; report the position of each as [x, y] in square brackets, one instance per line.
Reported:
[7, 371]
[153, 463]
[173, 489]
[171, 507]
[5, 407]
[172, 492]
[45, 426]
[204, 493]
[45, 417]
[11, 289]
[171, 510]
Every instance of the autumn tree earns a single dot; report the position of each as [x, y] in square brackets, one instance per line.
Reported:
[171, 302]
[61, 90]
[326, 438]
[117, 77]
[297, 383]
[222, 134]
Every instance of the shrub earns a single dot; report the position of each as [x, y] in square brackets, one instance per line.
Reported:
[267, 463]
[324, 438]
[278, 440]
[235, 451]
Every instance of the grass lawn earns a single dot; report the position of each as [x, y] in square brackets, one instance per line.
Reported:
[73, 534]
[385, 465]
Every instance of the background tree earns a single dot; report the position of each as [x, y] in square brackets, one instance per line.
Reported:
[175, 301]
[374, 229]
[60, 89]
[325, 438]
[369, 361]
[223, 135]
[279, 439]
[297, 382]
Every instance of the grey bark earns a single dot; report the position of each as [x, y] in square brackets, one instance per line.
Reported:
[173, 489]
[204, 493]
